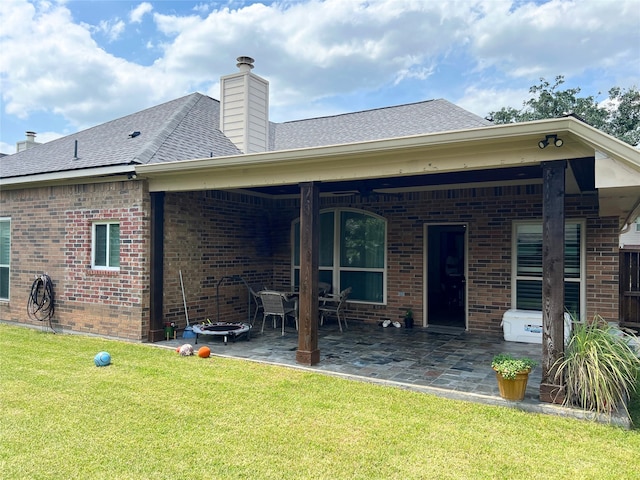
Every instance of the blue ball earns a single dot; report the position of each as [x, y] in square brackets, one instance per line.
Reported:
[102, 359]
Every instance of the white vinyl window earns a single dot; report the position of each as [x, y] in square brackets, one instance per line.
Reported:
[5, 257]
[352, 253]
[527, 266]
[105, 251]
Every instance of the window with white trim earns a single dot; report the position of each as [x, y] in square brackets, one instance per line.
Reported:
[105, 251]
[5, 257]
[352, 253]
[527, 266]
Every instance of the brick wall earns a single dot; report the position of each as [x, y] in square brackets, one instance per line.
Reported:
[51, 233]
[602, 282]
[211, 235]
[489, 214]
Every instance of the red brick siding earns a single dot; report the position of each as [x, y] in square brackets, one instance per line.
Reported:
[489, 214]
[51, 233]
[603, 268]
[210, 235]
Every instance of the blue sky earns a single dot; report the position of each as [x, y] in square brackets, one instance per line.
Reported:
[68, 65]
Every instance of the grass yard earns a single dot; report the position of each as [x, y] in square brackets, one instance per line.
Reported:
[155, 415]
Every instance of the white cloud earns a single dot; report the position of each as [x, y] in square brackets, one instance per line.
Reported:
[68, 74]
[349, 46]
[172, 24]
[7, 148]
[202, 8]
[135, 16]
[321, 57]
[112, 29]
[482, 101]
[557, 37]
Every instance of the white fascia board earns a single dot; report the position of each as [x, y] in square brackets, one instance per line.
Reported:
[590, 138]
[462, 145]
[605, 145]
[461, 150]
[66, 176]
[450, 139]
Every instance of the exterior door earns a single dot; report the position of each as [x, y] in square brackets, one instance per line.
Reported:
[445, 275]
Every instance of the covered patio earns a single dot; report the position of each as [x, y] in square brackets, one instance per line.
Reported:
[445, 362]
[395, 210]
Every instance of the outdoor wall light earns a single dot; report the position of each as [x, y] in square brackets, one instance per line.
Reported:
[558, 142]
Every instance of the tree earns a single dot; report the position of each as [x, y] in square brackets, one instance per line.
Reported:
[618, 116]
[624, 121]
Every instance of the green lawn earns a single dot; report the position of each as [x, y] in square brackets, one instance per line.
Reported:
[153, 414]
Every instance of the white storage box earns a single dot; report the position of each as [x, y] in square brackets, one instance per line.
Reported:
[526, 326]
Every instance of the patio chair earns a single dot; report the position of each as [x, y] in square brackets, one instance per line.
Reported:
[275, 304]
[255, 294]
[334, 305]
[324, 288]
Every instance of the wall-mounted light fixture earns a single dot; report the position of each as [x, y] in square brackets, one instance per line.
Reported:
[558, 142]
[132, 176]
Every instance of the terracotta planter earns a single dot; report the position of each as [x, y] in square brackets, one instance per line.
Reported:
[513, 389]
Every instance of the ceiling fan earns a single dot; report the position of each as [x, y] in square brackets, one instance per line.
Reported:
[364, 189]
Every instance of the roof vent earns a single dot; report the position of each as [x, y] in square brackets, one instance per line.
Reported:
[245, 63]
[134, 134]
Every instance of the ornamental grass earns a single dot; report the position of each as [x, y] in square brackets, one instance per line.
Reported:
[600, 368]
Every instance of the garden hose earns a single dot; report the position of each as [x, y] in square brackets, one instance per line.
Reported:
[41, 305]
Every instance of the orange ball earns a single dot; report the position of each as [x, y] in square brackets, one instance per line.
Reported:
[204, 352]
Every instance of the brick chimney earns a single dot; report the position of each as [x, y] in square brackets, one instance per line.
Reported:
[244, 108]
[30, 142]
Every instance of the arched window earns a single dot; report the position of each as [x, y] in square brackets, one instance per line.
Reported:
[352, 253]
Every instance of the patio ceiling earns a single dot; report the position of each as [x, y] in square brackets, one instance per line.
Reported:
[581, 179]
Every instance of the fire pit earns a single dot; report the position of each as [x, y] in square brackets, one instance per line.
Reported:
[223, 329]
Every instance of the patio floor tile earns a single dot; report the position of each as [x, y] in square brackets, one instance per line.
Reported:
[453, 365]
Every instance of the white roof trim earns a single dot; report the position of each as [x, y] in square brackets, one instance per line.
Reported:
[589, 136]
[66, 176]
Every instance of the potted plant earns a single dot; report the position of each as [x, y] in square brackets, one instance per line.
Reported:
[599, 368]
[408, 318]
[512, 375]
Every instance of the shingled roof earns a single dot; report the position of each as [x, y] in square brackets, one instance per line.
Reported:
[175, 130]
[390, 122]
[188, 128]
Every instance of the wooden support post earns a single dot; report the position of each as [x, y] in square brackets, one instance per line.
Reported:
[308, 353]
[156, 328]
[553, 174]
